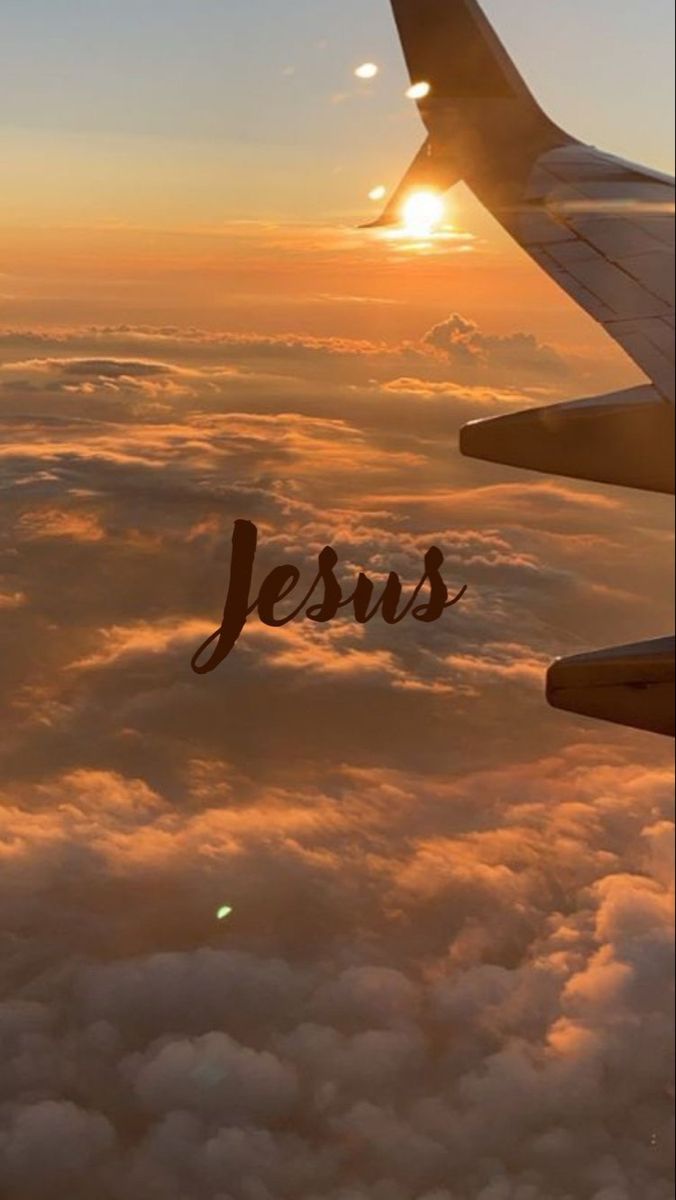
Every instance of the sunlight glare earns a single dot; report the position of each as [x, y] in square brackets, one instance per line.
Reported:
[419, 91]
[422, 213]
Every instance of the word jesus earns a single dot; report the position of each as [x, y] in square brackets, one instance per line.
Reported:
[283, 581]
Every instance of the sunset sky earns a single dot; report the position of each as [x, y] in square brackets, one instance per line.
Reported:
[199, 113]
[446, 974]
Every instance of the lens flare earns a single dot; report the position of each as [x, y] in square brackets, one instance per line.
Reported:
[422, 213]
[419, 91]
[378, 193]
[224, 912]
[367, 70]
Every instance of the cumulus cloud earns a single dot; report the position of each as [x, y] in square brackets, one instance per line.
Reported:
[464, 343]
[437, 1020]
[143, 355]
[446, 972]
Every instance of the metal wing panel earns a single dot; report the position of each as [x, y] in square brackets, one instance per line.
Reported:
[604, 230]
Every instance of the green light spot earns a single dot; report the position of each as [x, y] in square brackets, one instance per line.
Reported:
[224, 912]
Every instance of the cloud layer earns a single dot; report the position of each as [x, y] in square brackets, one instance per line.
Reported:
[446, 975]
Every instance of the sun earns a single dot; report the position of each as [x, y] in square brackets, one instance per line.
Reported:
[423, 212]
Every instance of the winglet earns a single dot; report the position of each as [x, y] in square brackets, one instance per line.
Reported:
[478, 110]
[428, 171]
[451, 45]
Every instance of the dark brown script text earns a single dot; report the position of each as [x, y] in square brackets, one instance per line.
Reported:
[325, 588]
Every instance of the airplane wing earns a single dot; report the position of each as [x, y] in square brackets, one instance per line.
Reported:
[603, 229]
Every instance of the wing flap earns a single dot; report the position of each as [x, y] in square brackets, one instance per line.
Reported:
[629, 685]
[625, 438]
